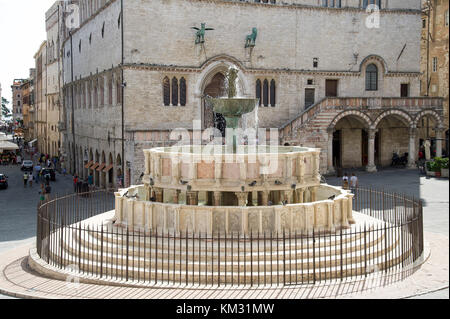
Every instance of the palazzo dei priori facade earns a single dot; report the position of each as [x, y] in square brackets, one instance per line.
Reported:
[329, 74]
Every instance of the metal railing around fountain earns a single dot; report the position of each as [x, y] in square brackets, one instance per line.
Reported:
[388, 241]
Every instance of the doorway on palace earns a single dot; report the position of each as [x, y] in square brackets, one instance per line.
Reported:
[215, 89]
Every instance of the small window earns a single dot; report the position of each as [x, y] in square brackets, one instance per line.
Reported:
[316, 62]
[90, 38]
[103, 30]
[404, 90]
[118, 22]
[424, 23]
[310, 82]
[79, 46]
[435, 63]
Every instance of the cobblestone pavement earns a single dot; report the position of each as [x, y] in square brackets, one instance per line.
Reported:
[18, 205]
[18, 208]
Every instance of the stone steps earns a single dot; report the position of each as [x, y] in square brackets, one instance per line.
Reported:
[174, 263]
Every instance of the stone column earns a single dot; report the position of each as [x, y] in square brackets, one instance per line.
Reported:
[412, 148]
[176, 196]
[242, 198]
[159, 195]
[371, 162]
[300, 196]
[330, 152]
[217, 198]
[439, 142]
[287, 196]
[301, 167]
[263, 198]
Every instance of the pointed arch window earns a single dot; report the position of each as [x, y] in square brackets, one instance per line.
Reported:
[258, 91]
[110, 91]
[102, 91]
[119, 90]
[266, 93]
[174, 91]
[371, 77]
[96, 93]
[183, 92]
[272, 93]
[89, 94]
[166, 91]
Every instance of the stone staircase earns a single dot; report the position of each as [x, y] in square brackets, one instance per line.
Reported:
[112, 255]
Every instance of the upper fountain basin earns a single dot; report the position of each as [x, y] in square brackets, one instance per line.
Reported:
[233, 107]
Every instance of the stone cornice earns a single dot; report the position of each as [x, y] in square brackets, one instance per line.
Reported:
[194, 69]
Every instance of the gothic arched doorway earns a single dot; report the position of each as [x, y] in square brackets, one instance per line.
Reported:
[216, 88]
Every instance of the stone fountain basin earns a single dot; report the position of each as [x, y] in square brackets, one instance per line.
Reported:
[234, 107]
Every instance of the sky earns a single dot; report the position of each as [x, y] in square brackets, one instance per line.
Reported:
[22, 31]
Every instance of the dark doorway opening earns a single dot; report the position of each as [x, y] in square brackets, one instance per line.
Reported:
[214, 89]
[404, 90]
[364, 148]
[337, 158]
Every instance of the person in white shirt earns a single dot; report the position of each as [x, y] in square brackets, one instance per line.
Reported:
[353, 183]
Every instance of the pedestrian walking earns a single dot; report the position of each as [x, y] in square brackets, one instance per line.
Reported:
[48, 190]
[353, 183]
[25, 180]
[345, 181]
[75, 182]
[91, 182]
[30, 180]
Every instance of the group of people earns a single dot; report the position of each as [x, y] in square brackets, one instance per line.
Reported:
[44, 180]
[9, 158]
[83, 186]
[350, 183]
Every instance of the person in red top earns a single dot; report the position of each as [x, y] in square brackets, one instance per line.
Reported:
[75, 182]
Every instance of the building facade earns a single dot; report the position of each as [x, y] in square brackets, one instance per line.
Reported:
[40, 97]
[53, 81]
[133, 73]
[27, 89]
[17, 100]
[434, 56]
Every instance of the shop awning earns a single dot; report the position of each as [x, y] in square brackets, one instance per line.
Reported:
[93, 167]
[102, 166]
[89, 164]
[8, 146]
[108, 168]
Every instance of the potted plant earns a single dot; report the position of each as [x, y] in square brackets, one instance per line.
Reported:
[430, 166]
